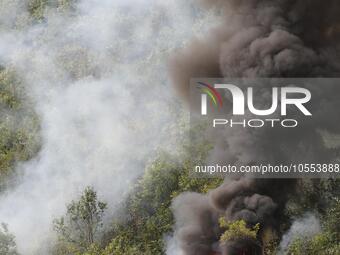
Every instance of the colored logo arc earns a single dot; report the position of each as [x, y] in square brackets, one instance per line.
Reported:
[212, 93]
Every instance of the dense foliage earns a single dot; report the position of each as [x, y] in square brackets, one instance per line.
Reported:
[145, 218]
[324, 243]
[19, 125]
[238, 230]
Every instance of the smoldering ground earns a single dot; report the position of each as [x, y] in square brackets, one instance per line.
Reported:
[258, 39]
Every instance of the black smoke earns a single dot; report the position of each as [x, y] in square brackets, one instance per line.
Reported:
[258, 39]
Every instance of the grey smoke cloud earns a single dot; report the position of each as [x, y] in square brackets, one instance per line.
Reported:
[259, 39]
[98, 79]
[304, 227]
[196, 223]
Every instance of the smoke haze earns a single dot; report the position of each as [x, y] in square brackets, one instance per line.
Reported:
[304, 227]
[257, 39]
[98, 80]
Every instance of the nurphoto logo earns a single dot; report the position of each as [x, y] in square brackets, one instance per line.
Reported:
[280, 99]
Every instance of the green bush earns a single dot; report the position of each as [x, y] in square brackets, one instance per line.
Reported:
[325, 243]
[19, 125]
[237, 230]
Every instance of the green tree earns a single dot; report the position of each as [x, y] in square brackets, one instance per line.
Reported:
[146, 214]
[82, 222]
[325, 243]
[19, 125]
[145, 217]
[238, 230]
[37, 8]
[7, 241]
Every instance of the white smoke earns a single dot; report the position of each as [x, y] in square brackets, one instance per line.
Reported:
[304, 227]
[172, 246]
[98, 78]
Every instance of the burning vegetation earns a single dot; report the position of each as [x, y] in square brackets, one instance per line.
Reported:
[257, 39]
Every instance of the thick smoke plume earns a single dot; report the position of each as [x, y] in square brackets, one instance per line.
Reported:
[258, 39]
[97, 76]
